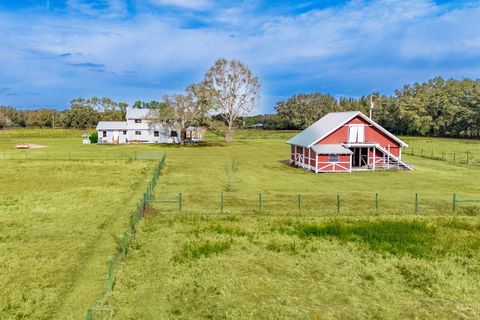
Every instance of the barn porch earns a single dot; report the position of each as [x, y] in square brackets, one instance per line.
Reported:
[371, 156]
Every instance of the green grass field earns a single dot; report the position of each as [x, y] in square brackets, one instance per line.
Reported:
[60, 221]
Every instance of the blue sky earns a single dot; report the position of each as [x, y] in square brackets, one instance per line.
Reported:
[52, 51]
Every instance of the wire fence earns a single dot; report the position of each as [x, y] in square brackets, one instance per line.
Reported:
[346, 203]
[465, 157]
[126, 241]
[39, 154]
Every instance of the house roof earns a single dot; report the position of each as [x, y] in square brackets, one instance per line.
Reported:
[328, 124]
[133, 113]
[112, 125]
[331, 149]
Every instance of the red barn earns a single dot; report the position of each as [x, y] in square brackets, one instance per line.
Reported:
[344, 142]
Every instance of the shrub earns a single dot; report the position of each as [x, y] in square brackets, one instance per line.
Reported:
[94, 137]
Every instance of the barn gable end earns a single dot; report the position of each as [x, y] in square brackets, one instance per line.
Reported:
[346, 141]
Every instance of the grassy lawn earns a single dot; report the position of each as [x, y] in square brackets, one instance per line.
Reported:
[253, 267]
[59, 221]
[282, 263]
[447, 149]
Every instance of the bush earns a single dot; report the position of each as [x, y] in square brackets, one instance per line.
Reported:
[94, 137]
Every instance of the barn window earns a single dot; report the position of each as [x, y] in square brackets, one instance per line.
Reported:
[173, 134]
[137, 133]
[124, 132]
[104, 134]
[138, 120]
[156, 133]
[333, 158]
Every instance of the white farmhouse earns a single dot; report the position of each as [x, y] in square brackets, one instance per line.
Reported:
[140, 127]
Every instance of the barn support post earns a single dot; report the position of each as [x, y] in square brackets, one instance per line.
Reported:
[454, 202]
[374, 157]
[416, 202]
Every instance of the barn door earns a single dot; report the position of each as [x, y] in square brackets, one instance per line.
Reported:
[361, 134]
[352, 134]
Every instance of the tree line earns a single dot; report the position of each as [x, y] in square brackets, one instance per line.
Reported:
[229, 91]
[82, 114]
[438, 107]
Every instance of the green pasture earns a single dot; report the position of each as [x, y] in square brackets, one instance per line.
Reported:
[59, 223]
[281, 249]
[300, 267]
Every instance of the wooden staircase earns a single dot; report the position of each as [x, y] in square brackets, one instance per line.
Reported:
[392, 161]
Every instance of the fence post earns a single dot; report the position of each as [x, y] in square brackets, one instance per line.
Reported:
[110, 276]
[135, 154]
[431, 155]
[421, 152]
[338, 203]
[221, 202]
[453, 156]
[412, 152]
[180, 201]
[260, 202]
[376, 201]
[89, 314]
[299, 202]
[454, 202]
[416, 202]
[69, 155]
[443, 156]
[467, 157]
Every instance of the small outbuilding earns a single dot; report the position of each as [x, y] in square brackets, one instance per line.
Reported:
[345, 142]
[194, 134]
[86, 138]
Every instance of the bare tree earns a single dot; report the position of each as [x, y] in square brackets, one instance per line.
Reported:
[233, 91]
[186, 109]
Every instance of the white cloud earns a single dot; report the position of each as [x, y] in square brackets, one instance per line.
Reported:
[353, 48]
[185, 4]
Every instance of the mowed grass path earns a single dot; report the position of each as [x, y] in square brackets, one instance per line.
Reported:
[59, 221]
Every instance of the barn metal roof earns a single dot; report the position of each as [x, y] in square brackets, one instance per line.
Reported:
[112, 125]
[330, 123]
[330, 149]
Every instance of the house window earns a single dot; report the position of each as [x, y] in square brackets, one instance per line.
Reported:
[138, 120]
[137, 133]
[173, 134]
[333, 158]
[124, 132]
[104, 134]
[156, 133]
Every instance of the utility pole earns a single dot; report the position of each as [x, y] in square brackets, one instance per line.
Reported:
[371, 105]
